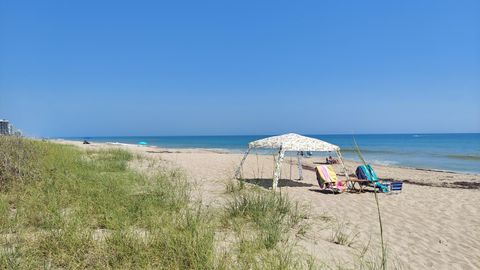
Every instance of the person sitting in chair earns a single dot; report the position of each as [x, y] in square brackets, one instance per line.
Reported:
[331, 160]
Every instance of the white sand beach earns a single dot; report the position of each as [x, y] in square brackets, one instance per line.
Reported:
[433, 223]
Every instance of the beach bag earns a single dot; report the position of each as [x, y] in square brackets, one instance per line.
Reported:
[366, 172]
[360, 172]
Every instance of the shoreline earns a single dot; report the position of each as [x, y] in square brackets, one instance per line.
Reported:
[408, 175]
[234, 151]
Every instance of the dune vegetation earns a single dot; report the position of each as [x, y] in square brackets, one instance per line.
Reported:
[64, 207]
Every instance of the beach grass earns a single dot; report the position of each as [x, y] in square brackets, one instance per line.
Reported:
[87, 209]
[272, 213]
[342, 235]
[64, 207]
[265, 224]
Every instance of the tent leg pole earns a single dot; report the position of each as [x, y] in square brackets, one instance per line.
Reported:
[278, 166]
[340, 158]
[299, 162]
[238, 173]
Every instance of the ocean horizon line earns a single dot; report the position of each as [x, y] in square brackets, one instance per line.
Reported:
[272, 134]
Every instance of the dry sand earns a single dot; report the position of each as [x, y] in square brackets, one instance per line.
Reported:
[433, 223]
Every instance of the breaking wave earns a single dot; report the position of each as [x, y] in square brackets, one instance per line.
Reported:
[352, 150]
[385, 162]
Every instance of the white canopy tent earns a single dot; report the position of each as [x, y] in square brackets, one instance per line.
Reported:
[290, 142]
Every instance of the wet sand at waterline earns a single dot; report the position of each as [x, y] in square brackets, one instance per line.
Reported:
[433, 223]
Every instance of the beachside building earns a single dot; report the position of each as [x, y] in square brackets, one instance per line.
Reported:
[8, 129]
[5, 128]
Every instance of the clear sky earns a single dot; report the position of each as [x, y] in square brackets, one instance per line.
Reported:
[93, 68]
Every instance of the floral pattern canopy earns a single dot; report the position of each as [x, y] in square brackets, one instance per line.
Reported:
[294, 142]
[290, 142]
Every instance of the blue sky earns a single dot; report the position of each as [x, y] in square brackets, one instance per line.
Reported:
[93, 68]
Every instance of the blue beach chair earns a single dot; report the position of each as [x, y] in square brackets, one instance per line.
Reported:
[367, 172]
[396, 187]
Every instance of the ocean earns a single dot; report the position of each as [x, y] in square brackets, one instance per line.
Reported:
[449, 152]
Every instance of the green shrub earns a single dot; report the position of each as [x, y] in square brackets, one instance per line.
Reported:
[17, 161]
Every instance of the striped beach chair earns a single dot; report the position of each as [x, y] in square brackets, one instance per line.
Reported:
[327, 179]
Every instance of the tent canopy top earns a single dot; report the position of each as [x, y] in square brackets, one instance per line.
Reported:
[294, 142]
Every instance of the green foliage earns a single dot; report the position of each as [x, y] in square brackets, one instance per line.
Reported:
[264, 223]
[272, 212]
[61, 207]
[234, 186]
[18, 161]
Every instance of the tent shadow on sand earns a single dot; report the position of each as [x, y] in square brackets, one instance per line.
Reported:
[324, 191]
[267, 183]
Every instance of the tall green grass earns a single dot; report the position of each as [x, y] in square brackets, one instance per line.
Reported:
[271, 212]
[61, 207]
[265, 224]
